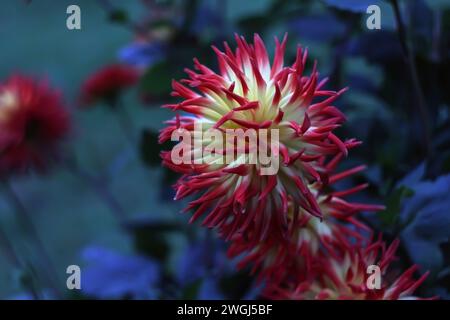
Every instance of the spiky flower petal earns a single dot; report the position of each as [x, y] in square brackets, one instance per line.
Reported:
[250, 93]
[270, 259]
[344, 274]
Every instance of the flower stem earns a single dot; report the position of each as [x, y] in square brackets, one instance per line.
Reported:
[8, 249]
[125, 122]
[13, 257]
[25, 220]
[409, 59]
[101, 189]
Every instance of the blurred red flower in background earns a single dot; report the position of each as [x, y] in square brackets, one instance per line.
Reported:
[33, 122]
[107, 83]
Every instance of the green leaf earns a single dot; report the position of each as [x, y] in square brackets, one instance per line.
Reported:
[151, 238]
[190, 292]
[236, 285]
[258, 22]
[390, 215]
[118, 16]
[156, 81]
[150, 148]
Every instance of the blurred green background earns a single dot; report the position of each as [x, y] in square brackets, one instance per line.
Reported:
[68, 214]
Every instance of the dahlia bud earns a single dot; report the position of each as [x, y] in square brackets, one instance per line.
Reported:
[107, 84]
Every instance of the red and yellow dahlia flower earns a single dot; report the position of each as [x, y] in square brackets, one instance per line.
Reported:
[249, 92]
[343, 274]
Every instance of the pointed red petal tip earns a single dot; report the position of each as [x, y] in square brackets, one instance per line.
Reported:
[343, 90]
[259, 79]
[279, 117]
[271, 184]
[306, 124]
[339, 144]
[279, 56]
[217, 51]
[322, 83]
[260, 51]
[276, 96]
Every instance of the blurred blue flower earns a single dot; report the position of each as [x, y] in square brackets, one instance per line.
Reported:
[320, 28]
[442, 293]
[427, 219]
[142, 55]
[110, 275]
[363, 45]
[207, 19]
[43, 295]
[414, 177]
[255, 292]
[203, 259]
[209, 290]
[352, 5]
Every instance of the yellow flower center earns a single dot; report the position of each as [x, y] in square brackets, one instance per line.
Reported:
[8, 103]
